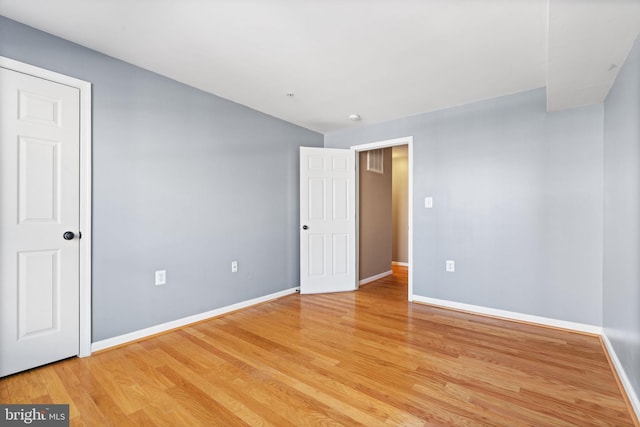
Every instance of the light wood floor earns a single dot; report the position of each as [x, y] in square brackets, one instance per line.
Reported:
[363, 358]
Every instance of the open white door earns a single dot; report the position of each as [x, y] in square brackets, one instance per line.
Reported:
[39, 221]
[327, 220]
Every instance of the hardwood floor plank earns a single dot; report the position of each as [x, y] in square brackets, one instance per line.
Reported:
[118, 387]
[361, 358]
[89, 413]
[56, 389]
[203, 399]
[309, 381]
[99, 394]
[232, 378]
[257, 361]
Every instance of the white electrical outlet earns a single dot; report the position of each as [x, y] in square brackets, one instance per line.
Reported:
[161, 277]
[234, 266]
[450, 266]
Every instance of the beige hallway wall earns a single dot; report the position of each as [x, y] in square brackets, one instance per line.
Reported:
[375, 217]
[400, 205]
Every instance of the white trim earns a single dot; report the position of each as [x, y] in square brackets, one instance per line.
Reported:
[401, 264]
[376, 277]
[163, 327]
[383, 144]
[84, 348]
[357, 206]
[624, 379]
[85, 218]
[406, 140]
[511, 315]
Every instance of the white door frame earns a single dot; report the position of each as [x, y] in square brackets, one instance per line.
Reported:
[408, 140]
[84, 348]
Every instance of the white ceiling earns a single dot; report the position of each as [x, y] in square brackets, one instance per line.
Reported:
[381, 59]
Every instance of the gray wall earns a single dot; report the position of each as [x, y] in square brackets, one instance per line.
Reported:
[622, 217]
[183, 181]
[517, 204]
[374, 220]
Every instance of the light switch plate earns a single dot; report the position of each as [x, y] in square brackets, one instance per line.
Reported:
[428, 202]
[450, 266]
[161, 277]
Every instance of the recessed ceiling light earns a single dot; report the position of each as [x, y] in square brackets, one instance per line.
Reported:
[354, 117]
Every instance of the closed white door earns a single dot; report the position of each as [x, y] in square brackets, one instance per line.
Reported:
[39, 203]
[327, 220]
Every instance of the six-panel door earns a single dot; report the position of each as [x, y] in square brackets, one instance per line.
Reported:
[39, 199]
[327, 220]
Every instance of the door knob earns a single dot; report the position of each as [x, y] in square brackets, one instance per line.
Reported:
[68, 235]
[305, 227]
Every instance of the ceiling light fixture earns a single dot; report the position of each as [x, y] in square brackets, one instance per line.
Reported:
[290, 94]
[354, 117]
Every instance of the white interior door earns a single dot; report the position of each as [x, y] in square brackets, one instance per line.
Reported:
[327, 220]
[39, 203]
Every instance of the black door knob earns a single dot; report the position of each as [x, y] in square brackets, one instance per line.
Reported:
[305, 227]
[68, 235]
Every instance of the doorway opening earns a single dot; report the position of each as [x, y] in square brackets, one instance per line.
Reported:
[384, 225]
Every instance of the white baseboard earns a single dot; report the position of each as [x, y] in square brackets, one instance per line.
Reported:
[624, 379]
[402, 264]
[143, 333]
[510, 315]
[376, 277]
